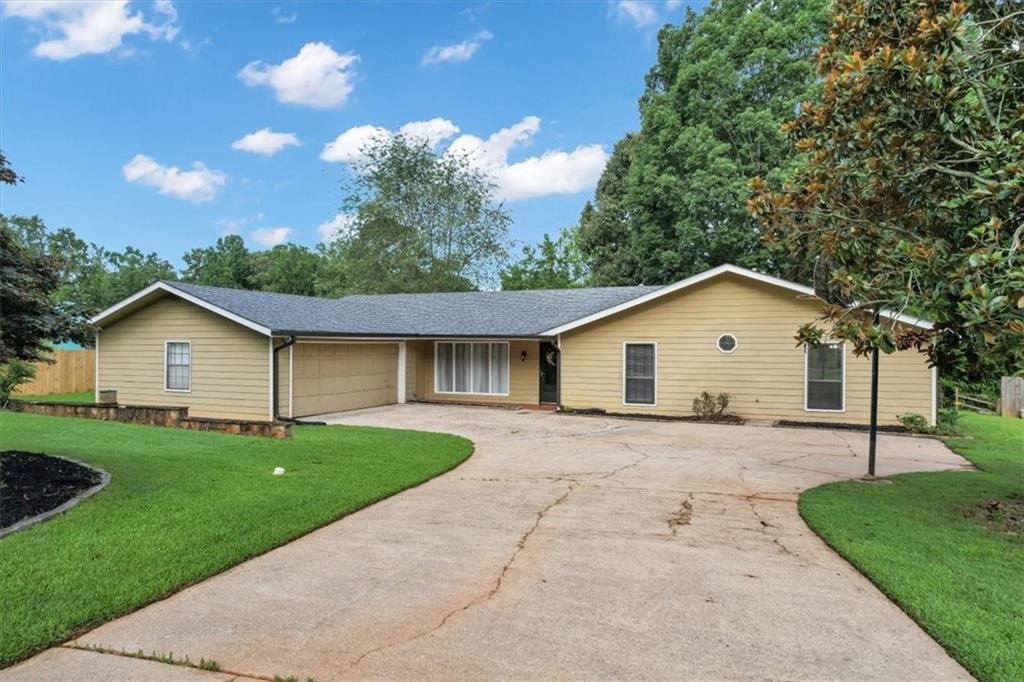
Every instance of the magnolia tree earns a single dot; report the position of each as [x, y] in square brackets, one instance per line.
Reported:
[910, 196]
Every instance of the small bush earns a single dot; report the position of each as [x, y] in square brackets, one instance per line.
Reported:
[948, 418]
[710, 407]
[915, 423]
[12, 375]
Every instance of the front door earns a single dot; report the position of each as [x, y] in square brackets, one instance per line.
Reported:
[548, 373]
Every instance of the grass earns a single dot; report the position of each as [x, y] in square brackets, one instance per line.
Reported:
[917, 540]
[76, 397]
[182, 506]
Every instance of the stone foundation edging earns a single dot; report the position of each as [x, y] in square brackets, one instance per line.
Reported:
[155, 415]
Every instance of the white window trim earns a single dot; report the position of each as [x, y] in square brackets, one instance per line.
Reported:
[178, 390]
[842, 345]
[640, 343]
[734, 338]
[508, 368]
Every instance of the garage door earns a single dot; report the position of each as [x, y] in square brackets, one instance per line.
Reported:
[331, 377]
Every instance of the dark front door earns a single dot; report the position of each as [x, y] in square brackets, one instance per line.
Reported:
[548, 372]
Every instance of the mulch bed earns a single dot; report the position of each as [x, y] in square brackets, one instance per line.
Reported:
[33, 483]
[836, 426]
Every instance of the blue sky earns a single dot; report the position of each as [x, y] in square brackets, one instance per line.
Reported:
[122, 116]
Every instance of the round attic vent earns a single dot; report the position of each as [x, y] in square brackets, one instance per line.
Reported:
[726, 343]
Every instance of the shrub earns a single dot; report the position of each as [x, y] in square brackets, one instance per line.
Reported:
[915, 423]
[710, 407]
[13, 374]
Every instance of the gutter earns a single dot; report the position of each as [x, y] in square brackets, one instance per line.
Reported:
[274, 368]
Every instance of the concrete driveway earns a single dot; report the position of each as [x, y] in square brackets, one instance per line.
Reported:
[566, 547]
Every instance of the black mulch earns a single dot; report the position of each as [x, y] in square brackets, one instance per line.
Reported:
[32, 483]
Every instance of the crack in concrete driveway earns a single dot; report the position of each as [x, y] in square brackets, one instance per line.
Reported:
[546, 555]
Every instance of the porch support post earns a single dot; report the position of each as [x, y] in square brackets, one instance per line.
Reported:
[401, 371]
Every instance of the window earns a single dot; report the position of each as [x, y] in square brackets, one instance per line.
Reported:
[178, 366]
[825, 374]
[472, 367]
[640, 361]
[726, 343]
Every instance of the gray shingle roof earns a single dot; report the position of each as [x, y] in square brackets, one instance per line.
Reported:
[476, 313]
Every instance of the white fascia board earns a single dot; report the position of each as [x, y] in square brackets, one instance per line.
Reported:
[704, 276]
[162, 286]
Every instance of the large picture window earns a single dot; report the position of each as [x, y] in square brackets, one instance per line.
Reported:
[825, 377]
[178, 366]
[640, 370]
[471, 367]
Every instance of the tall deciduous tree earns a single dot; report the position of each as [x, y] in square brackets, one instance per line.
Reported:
[91, 277]
[287, 269]
[912, 195]
[228, 263]
[672, 202]
[32, 319]
[422, 222]
[552, 264]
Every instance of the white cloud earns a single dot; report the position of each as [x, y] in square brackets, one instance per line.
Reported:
[459, 52]
[339, 225]
[316, 77]
[199, 184]
[348, 146]
[552, 172]
[283, 17]
[72, 29]
[640, 13]
[270, 236]
[434, 131]
[265, 142]
[671, 5]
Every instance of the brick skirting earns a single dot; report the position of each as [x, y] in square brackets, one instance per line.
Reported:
[153, 415]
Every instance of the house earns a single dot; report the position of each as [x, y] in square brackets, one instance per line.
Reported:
[237, 354]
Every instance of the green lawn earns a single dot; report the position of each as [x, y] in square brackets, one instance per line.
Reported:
[182, 506]
[917, 539]
[77, 397]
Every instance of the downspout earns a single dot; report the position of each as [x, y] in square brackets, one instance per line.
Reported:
[277, 381]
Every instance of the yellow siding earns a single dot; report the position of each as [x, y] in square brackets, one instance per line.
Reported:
[333, 377]
[523, 384]
[230, 364]
[765, 374]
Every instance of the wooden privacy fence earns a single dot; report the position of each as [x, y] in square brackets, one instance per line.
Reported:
[1011, 397]
[72, 370]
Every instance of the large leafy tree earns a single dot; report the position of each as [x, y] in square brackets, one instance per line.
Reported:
[32, 319]
[606, 240]
[552, 264]
[91, 277]
[672, 202]
[912, 194]
[287, 269]
[422, 222]
[228, 263]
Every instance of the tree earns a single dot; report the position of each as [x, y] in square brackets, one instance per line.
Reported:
[912, 194]
[553, 264]
[287, 269]
[422, 222]
[605, 239]
[724, 82]
[228, 263]
[32, 320]
[91, 277]
[7, 174]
